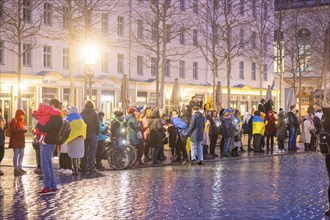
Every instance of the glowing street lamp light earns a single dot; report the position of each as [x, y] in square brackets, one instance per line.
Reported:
[90, 55]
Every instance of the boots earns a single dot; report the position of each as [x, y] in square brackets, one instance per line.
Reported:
[234, 152]
[75, 165]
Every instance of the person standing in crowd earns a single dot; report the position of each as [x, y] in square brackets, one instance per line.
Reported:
[236, 142]
[318, 126]
[192, 103]
[145, 121]
[270, 122]
[172, 137]
[227, 132]
[133, 127]
[156, 134]
[47, 147]
[261, 106]
[75, 141]
[326, 128]
[17, 140]
[140, 146]
[308, 128]
[281, 132]
[100, 144]
[64, 159]
[2, 139]
[214, 132]
[93, 127]
[258, 130]
[118, 132]
[206, 138]
[196, 132]
[293, 125]
[247, 128]
[181, 129]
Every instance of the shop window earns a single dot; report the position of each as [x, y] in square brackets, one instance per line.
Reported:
[50, 93]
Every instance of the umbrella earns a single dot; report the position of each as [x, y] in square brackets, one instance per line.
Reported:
[124, 93]
[268, 93]
[176, 95]
[291, 98]
[218, 96]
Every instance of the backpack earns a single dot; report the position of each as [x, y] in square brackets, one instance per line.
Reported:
[325, 142]
[64, 133]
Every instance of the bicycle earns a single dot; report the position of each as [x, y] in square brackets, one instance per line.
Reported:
[119, 155]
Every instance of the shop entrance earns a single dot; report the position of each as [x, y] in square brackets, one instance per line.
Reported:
[28, 107]
[107, 103]
[5, 105]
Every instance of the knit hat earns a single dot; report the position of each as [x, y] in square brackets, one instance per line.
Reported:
[118, 113]
[227, 110]
[131, 110]
[73, 110]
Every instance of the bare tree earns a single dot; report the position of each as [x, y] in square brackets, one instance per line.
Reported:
[159, 22]
[21, 24]
[259, 46]
[81, 21]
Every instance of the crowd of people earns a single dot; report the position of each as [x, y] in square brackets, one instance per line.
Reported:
[192, 134]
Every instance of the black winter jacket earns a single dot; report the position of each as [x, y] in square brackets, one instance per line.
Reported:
[92, 121]
[52, 128]
[292, 120]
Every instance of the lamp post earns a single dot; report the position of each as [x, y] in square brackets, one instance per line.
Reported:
[90, 55]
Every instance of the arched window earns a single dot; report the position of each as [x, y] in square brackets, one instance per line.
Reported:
[304, 50]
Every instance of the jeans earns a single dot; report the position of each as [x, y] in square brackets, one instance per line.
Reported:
[46, 154]
[292, 138]
[197, 150]
[226, 146]
[18, 158]
[88, 161]
[155, 154]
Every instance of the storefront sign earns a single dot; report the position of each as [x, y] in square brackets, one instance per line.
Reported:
[50, 81]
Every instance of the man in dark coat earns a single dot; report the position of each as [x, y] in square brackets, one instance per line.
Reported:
[196, 131]
[293, 125]
[261, 107]
[157, 132]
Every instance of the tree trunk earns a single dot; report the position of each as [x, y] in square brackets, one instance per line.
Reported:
[260, 80]
[228, 80]
[19, 74]
[214, 73]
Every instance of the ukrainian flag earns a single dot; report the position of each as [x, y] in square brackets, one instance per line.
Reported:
[258, 125]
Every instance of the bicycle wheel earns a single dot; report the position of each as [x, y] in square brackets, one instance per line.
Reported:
[132, 154]
[118, 158]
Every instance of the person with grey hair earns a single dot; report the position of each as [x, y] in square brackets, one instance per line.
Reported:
[75, 141]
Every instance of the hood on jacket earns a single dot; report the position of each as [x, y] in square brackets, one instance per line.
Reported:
[319, 115]
[20, 121]
[154, 114]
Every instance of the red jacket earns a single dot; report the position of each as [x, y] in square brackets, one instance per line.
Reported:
[17, 130]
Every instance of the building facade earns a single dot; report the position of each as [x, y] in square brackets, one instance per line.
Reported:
[52, 61]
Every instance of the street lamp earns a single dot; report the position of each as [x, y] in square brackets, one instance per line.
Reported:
[90, 55]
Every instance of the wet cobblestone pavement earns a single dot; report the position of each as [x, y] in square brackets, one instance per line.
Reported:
[291, 186]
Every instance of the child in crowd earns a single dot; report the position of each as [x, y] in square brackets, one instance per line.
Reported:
[43, 114]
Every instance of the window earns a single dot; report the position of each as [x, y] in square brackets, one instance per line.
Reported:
[229, 6]
[153, 66]
[168, 68]
[120, 28]
[27, 10]
[304, 50]
[264, 72]
[120, 63]
[195, 37]
[27, 55]
[140, 65]
[195, 6]
[253, 40]
[168, 33]
[254, 12]
[48, 14]
[195, 70]
[182, 69]
[241, 37]
[254, 71]
[66, 16]
[105, 23]
[182, 37]
[66, 61]
[48, 56]
[241, 8]
[241, 70]
[140, 29]
[1, 8]
[2, 53]
[154, 31]
[182, 5]
[105, 62]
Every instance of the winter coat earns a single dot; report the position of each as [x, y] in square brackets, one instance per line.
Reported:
[172, 135]
[117, 129]
[308, 125]
[103, 130]
[271, 125]
[281, 128]
[226, 126]
[185, 117]
[133, 128]
[17, 130]
[180, 125]
[215, 126]
[292, 120]
[206, 138]
[156, 130]
[92, 121]
[146, 133]
[52, 128]
[196, 128]
[258, 125]
[44, 112]
[261, 107]
[317, 121]
[78, 127]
